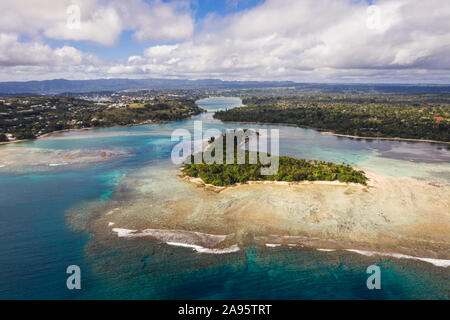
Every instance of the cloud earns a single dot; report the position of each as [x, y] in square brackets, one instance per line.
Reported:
[125, 69]
[102, 25]
[158, 21]
[99, 21]
[301, 40]
[31, 60]
[16, 53]
[313, 40]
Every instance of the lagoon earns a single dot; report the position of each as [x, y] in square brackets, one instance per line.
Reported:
[48, 221]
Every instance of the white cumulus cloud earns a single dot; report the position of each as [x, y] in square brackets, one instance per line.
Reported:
[322, 40]
[15, 53]
[301, 40]
[99, 21]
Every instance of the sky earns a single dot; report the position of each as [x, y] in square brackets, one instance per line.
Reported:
[329, 41]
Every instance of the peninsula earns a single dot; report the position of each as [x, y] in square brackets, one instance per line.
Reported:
[27, 118]
[393, 116]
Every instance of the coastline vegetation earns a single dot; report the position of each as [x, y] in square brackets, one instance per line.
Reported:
[31, 117]
[424, 116]
[290, 170]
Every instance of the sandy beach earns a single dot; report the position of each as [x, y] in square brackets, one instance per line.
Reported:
[58, 132]
[47, 135]
[200, 183]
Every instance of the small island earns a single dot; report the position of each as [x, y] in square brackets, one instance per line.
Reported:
[290, 170]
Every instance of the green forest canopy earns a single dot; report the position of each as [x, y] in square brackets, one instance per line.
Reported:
[290, 170]
[425, 116]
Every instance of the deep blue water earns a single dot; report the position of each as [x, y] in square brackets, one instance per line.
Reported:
[37, 245]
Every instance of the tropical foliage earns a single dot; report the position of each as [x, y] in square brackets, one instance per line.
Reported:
[290, 170]
[402, 116]
[30, 117]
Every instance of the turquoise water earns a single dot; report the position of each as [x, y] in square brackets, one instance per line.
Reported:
[37, 244]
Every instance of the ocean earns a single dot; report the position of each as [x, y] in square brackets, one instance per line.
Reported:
[39, 237]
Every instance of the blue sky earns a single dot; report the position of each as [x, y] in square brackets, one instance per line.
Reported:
[205, 7]
[127, 46]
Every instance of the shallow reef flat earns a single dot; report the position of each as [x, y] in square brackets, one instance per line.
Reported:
[391, 215]
[28, 159]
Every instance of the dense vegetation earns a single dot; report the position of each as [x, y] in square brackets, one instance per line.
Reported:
[29, 117]
[403, 116]
[290, 170]
[138, 113]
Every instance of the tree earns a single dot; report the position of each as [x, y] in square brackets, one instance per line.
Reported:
[26, 136]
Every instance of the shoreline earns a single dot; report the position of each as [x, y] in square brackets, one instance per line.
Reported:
[323, 131]
[371, 221]
[237, 122]
[49, 134]
[200, 183]
[204, 243]
[384, 138]
[305, 218]
[85, 129]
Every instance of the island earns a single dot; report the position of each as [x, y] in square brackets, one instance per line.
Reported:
[290, 169]
[387, 116]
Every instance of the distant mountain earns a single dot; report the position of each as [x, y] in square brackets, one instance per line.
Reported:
[59, 86]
